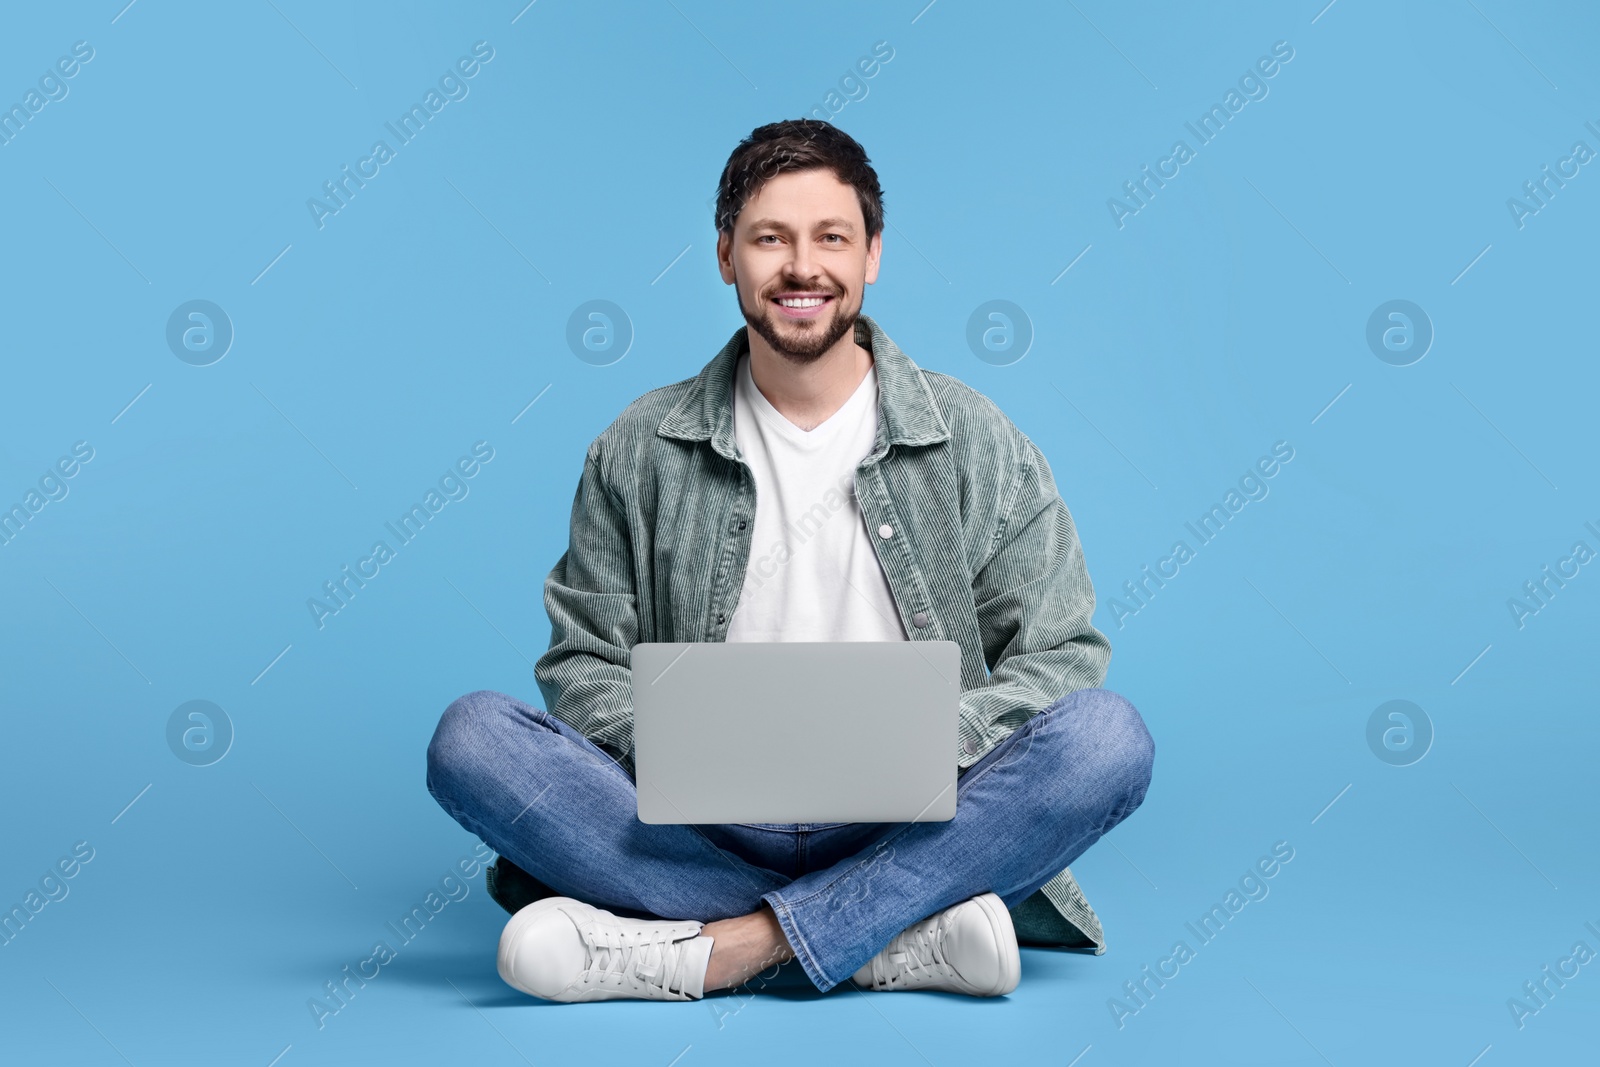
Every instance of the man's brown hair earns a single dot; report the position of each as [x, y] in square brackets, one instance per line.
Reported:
[791, 145]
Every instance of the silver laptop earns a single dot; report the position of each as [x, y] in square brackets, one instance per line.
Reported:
[796, 731]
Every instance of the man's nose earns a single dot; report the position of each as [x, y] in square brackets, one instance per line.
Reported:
[802, 267]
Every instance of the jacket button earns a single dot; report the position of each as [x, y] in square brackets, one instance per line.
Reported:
[920, 619]
[886, 531]
[741, 524]
[969, 746]
[719, 620]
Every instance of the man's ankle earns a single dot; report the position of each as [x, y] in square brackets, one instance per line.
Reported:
[744, 947]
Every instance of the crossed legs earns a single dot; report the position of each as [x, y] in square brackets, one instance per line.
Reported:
[560, 808]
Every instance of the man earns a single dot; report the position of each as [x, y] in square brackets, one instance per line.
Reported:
[811, 483]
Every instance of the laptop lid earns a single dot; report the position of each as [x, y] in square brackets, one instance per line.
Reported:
[796, 731]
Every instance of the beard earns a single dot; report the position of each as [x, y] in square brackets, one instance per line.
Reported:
[800, 341]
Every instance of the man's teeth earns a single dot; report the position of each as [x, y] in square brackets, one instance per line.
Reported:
[801, 301]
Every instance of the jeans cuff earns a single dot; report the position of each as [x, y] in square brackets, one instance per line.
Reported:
[797, 941]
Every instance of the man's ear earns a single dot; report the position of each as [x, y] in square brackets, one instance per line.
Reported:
[725, 257]
[874, 254]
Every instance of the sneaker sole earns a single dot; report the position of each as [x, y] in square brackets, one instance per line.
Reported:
[513, 931]
[1006, 936]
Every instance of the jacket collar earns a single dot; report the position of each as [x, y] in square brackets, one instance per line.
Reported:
[907, 412]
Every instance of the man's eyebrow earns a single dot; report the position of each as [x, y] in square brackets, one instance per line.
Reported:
[842, 225]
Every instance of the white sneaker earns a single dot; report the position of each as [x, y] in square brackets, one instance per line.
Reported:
[562, 949]
[968, 948]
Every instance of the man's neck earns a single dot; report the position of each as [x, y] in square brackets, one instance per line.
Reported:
[807, 394]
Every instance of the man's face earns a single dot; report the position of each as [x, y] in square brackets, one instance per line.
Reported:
[800, 241]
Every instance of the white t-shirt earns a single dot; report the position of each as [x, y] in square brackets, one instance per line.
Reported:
[813, 573]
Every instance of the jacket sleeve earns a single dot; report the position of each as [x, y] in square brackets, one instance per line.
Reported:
[1034, 601]
[585, 676]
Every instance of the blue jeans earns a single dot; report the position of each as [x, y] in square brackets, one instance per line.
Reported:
[539, 793]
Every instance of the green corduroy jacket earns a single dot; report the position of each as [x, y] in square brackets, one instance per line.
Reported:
[983, 552]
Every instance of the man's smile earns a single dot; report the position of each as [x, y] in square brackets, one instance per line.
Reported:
[802, 305]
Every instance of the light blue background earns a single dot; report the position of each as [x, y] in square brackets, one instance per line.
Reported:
[1223, 317]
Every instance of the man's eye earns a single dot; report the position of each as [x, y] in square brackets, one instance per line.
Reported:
[833, 237]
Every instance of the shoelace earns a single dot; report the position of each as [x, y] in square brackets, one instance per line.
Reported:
[640, 957]
[919, 950]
